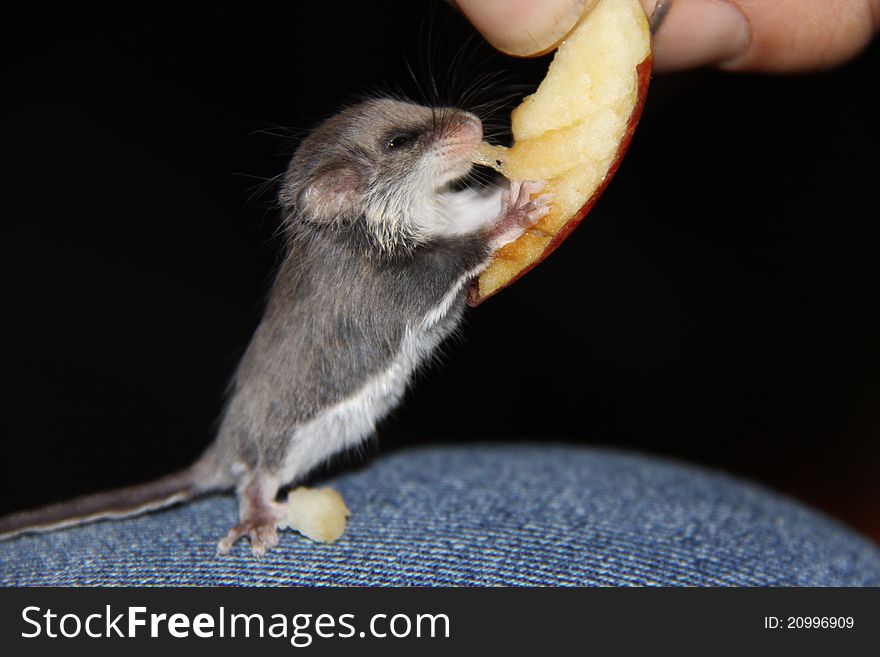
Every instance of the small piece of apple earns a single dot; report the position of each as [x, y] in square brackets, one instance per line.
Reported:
[319, 514]
[572, 132]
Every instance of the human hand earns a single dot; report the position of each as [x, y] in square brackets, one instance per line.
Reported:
[771, 36]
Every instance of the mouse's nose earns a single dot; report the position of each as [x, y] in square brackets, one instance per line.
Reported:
[472, 127]
[472, 121]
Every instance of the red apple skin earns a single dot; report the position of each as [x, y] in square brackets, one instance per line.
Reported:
[644, 76]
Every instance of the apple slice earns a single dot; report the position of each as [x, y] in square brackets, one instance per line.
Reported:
[572, 132]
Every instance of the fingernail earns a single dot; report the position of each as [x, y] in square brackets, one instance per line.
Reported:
[658, 14]
[700, 33]
[524, 27]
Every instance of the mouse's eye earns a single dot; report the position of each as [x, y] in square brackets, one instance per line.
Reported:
[398, 142]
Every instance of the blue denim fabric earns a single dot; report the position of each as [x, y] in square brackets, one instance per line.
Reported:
[484, 515]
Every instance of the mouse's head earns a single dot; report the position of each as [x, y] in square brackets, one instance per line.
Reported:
[381, 162]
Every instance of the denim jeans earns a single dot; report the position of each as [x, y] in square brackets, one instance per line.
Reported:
[483, 515]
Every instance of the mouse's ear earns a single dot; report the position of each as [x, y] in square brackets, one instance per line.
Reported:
[331, 193]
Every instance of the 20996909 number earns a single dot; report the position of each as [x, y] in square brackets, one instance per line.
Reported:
[809, 622]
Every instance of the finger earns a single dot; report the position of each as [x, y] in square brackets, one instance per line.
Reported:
[763, 35]
[698, 33]
[524, 27]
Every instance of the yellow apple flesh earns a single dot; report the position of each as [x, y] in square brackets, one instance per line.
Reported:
[572, 132]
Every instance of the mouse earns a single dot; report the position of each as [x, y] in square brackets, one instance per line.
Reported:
[381, 243]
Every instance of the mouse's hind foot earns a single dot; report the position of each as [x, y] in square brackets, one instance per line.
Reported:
[259, 515]
[263, 537]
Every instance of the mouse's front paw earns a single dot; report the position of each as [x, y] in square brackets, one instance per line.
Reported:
[522, 204]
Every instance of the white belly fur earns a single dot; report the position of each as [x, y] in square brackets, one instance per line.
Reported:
[348, 422]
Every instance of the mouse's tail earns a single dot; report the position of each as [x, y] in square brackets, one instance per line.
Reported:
[116, 503]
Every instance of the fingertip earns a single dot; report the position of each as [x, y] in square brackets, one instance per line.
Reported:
[524, 28]
[771, 36]
[802, 35]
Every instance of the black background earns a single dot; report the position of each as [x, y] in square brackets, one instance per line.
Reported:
[717, 305]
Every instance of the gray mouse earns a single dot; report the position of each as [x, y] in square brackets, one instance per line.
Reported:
[381, 245]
